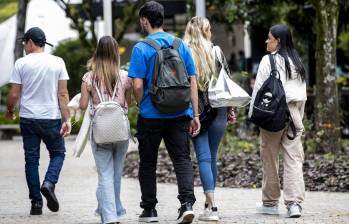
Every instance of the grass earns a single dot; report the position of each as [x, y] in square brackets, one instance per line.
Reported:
[7, 9]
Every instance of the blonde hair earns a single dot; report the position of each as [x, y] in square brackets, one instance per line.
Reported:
[198, 36]
[105, 63]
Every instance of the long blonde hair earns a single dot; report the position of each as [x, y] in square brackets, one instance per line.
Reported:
[198, 36]
[105, 63]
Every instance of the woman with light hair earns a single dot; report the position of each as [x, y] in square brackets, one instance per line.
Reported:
[106, 80]
[213, 120]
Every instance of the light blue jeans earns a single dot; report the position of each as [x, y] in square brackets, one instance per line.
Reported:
[109, 160]
[206, 148]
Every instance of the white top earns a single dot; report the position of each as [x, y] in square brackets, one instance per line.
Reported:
[295, 88]
[38, 73]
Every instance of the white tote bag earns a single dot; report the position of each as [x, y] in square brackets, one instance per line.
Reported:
[224, 92]
[82, 137]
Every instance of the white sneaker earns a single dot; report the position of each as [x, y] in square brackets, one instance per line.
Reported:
[209, 214]
[262, 209]
[294, 210]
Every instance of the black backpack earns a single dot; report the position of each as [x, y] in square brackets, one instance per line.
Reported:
[270, 109]
[170, 91]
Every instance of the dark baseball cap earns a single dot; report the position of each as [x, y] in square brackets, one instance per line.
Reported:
[36, 35]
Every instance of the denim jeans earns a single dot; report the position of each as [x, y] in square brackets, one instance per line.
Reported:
[206, 148]
[33, 131]
[175, 133]
[109, 160]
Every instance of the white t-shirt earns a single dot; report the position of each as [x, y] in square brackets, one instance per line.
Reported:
[38, 73]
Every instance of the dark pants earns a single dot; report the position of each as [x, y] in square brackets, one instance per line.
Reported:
[175, 133]
[33, 131]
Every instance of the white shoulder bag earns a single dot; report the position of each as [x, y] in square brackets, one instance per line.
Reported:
[224, 92]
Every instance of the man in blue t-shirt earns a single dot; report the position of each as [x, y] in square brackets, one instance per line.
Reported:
[153, 125]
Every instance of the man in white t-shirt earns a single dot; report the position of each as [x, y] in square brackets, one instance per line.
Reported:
[39, 80]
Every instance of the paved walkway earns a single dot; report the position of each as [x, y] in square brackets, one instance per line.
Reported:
[75, 192]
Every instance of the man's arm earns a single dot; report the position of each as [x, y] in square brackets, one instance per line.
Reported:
[195, 123]
[12, 98]
[138, 89]
[63, 99]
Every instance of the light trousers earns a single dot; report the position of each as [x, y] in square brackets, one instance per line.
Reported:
[293, 157]
[109, 160]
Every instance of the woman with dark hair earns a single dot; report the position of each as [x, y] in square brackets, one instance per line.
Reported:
[292, 75]
[106, 80]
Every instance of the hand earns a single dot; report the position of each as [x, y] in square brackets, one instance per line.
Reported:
[231, 117]
[66, 128]
[195, 126]
[10, 115]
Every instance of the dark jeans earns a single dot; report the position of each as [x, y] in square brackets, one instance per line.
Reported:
[175, 133]
[33, 131]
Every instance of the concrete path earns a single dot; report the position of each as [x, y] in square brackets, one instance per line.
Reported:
[76, 193]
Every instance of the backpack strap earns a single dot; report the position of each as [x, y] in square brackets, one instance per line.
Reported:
[291, 125]
[152, 43]
[273, 71]
[272, 63]
[176, 43]
[115, 89]
[218, 54]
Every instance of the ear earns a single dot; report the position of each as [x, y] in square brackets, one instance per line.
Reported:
[30, 43]
[144, 21]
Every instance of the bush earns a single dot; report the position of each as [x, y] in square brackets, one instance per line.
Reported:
[75, 58]
[4, 120]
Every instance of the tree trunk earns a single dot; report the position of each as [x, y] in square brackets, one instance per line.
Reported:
[327, 120]
[21, 17]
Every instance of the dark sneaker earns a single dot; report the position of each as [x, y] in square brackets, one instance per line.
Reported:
[36, 208]
[149, 215]
[186, 213]
[48, 190]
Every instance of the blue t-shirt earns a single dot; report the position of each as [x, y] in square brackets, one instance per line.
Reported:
[142, 65]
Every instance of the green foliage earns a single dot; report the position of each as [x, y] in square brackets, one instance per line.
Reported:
[75, 57]
[329, 156]
[7, 9]
[343, 42]
[4, 120]
[309, 138]
[240, 137]
[258, 12]
[76, 125]
[4, 90]
[132, 116]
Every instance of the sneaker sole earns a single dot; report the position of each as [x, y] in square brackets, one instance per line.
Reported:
[297, 215]
[267, 213]
[36, 212]
[187, 217]
[213, 218]
[52, 203]
[148, 219]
